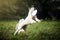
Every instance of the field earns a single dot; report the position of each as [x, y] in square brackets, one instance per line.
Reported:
[45, 30]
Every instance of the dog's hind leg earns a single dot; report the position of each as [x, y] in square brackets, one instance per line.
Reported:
[20, 21]
[21, 30]
[16, 32]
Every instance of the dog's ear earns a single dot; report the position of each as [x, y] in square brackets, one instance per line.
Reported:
[30, 10]
[34, 12]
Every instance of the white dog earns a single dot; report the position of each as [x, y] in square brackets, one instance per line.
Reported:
[31, 18]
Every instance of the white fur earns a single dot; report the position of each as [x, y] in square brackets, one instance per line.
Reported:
[34, 13]
[29, 19]
[17, 26]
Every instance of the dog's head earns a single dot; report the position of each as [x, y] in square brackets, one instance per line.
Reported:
[32, 11]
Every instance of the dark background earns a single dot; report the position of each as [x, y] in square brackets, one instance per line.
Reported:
[16, 9]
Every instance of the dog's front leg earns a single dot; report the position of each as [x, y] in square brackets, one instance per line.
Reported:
[35, 17]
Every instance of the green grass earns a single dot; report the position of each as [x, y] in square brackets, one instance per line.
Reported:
[45, 30]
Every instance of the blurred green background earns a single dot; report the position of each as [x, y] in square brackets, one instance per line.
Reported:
[12, 9]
